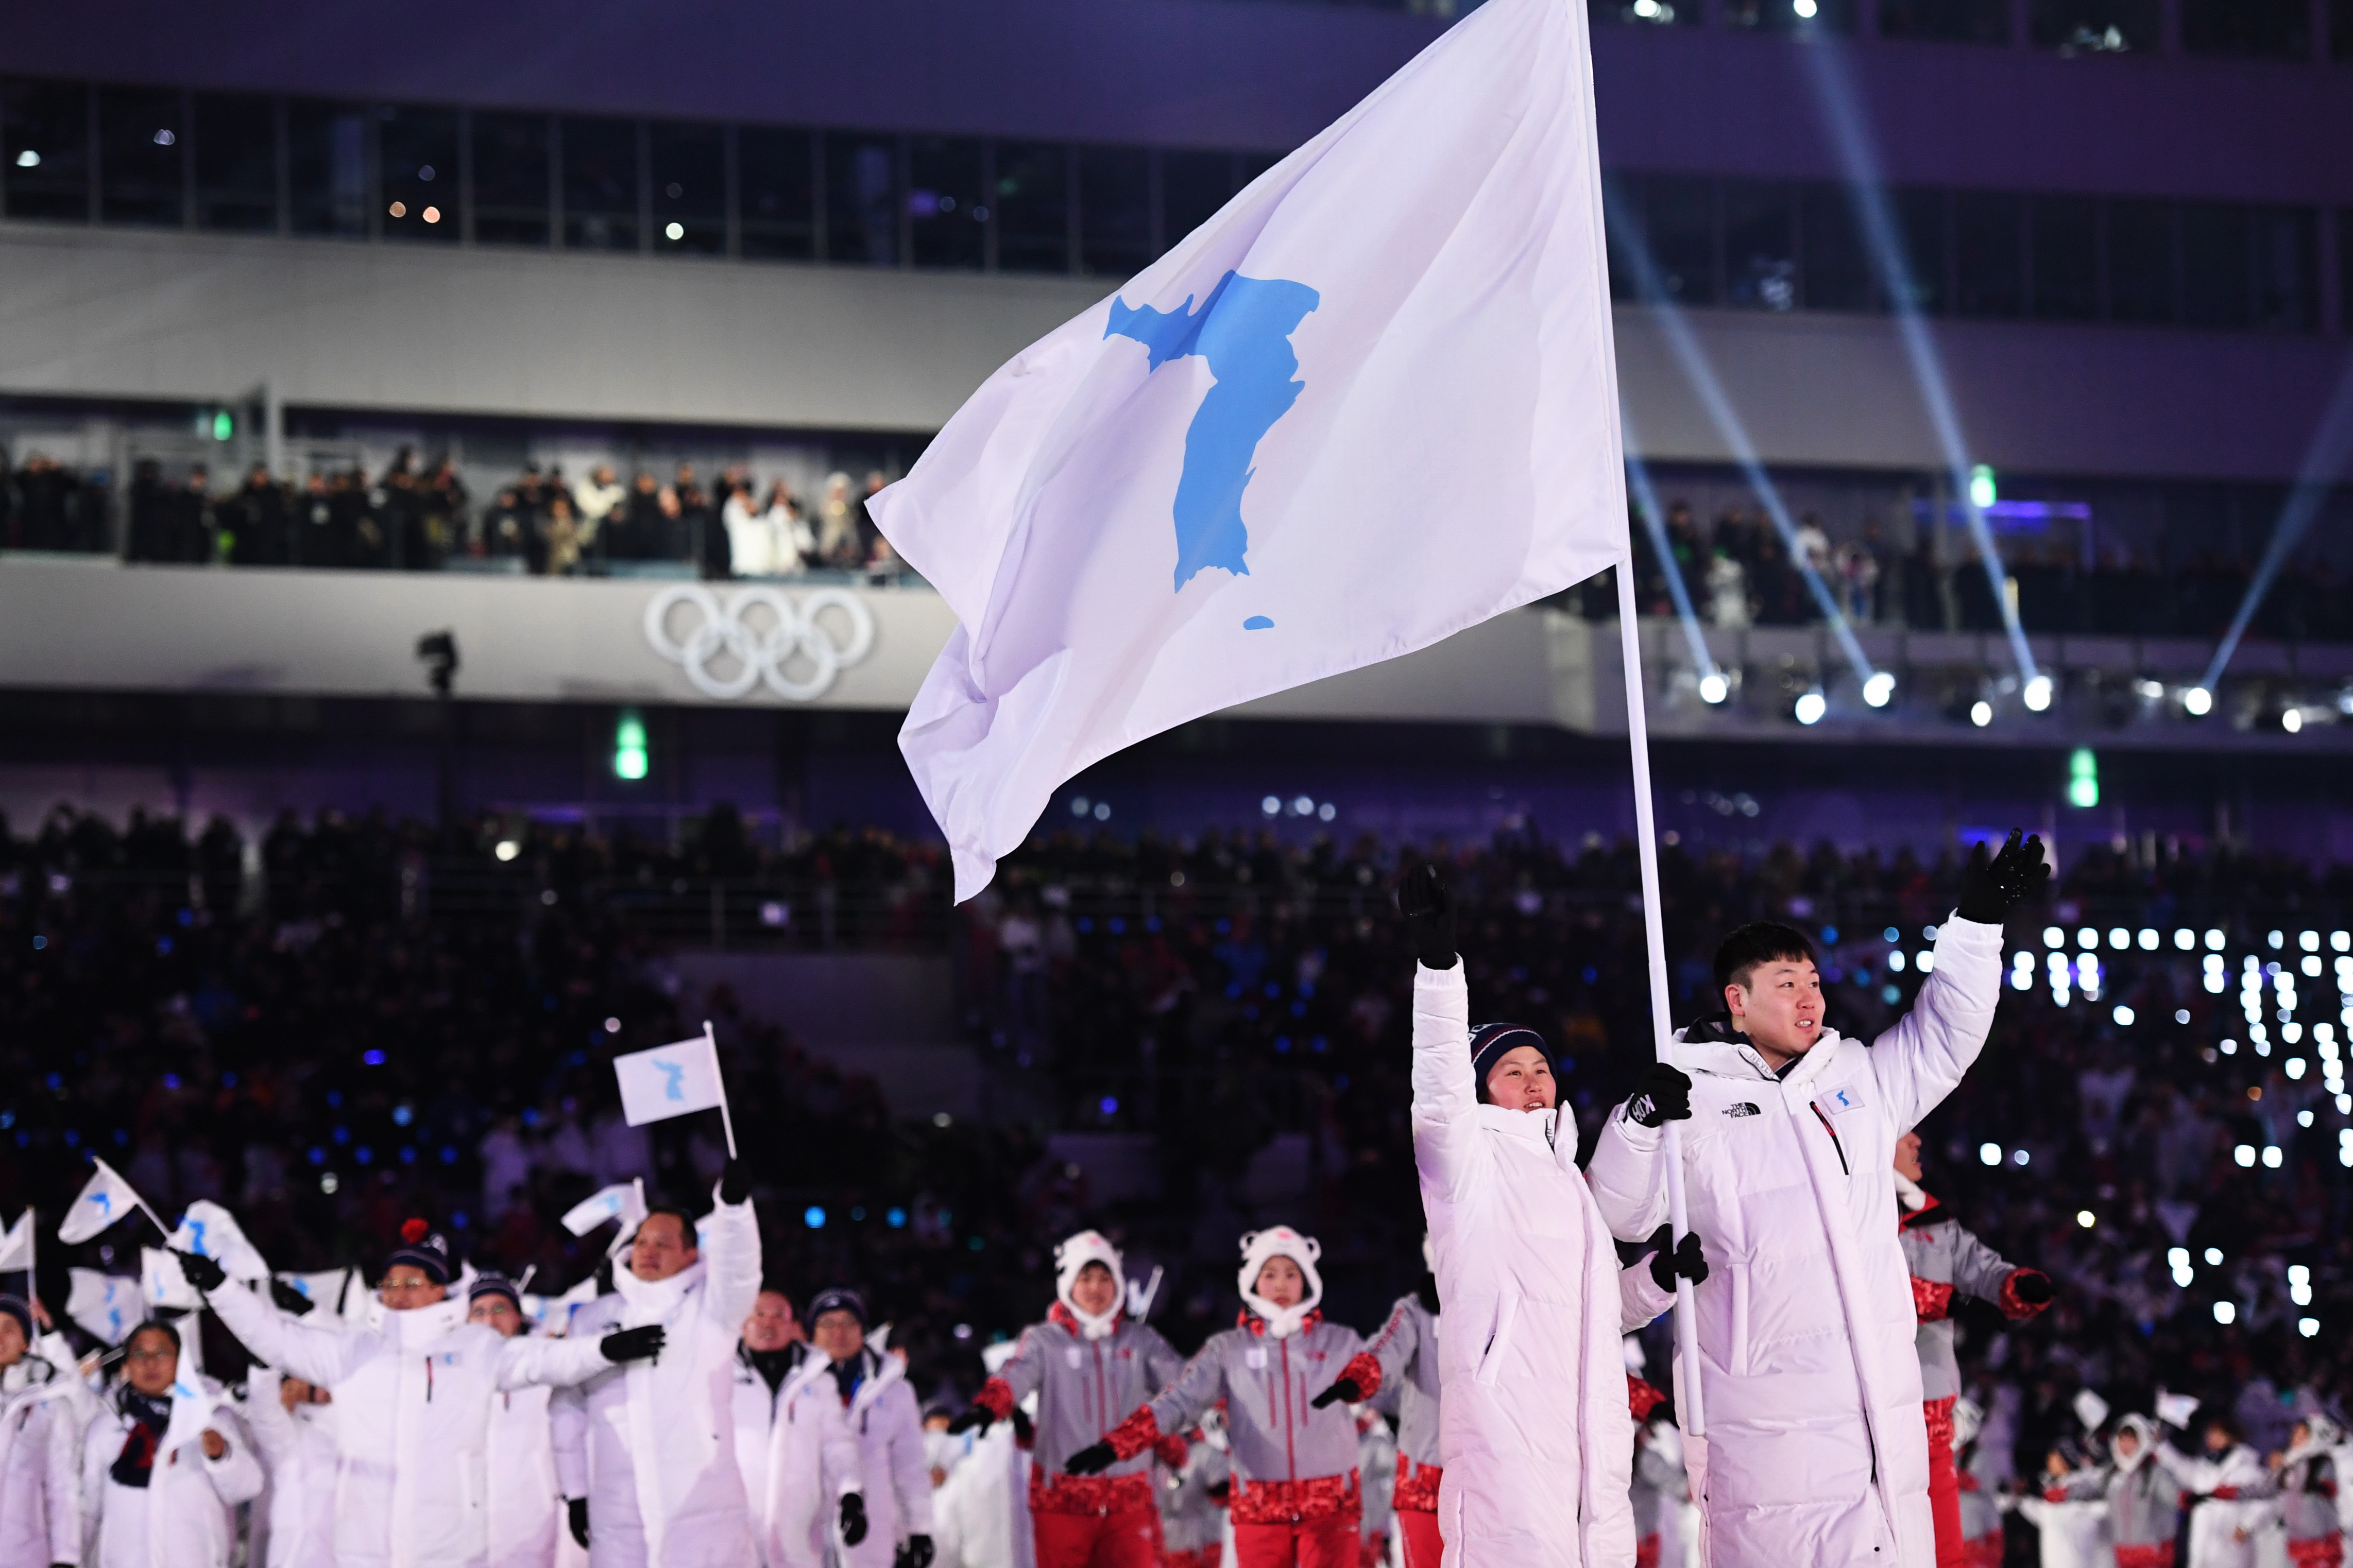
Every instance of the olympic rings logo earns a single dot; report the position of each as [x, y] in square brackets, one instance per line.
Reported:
[760, 635]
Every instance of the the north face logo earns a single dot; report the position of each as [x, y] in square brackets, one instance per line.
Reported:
[1742, 1109]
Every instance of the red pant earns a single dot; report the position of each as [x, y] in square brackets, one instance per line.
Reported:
[1314, 1544]
[1199, 1557]
[1422, 1546]
[1129, 1539]
[1944, 1484]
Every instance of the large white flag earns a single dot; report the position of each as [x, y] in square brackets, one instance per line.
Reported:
[16, 1245]
[163, 1285]
[323, 1288]
[669, 1081]
[1370, 403]
[107, 1305]
[210, 1231]
[106, 1198]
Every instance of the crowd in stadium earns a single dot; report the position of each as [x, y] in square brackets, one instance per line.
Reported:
[303, 1046]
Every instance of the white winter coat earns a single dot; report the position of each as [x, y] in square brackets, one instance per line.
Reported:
[2241, 1500]
[41, 1416]
[889, 1424]
[1816, 1449]
[412, 1392]
[183, 1517]
[2071, 1519]
[1537, 1439]
[813, 1461]
[526, 1511]
[651, 1445]
[299, 1454]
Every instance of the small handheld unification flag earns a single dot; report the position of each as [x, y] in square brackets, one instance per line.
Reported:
[669, 1080]
[193, 1404]
[16, 1245]
[324, 1290]
[2090, 1410]
[2176, 1409]
[160, 1281]
[106, 1199]
[210, 1231]
[107, 1305]
[623, 1201]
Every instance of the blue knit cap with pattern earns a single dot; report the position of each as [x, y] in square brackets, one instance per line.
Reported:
[1491, 1042]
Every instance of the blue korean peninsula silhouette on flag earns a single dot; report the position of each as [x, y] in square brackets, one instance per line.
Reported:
[1242, 332]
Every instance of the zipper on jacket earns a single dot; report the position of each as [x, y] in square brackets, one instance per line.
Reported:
[1290, 1425]
[1102, 1390]
[1825, 1121]
[428, 1379]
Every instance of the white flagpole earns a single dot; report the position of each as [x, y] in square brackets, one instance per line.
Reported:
[726, 1120]
[1638, 738]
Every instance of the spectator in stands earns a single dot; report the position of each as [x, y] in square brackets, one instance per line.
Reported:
[597, 501]
[838, 514]
[642, 522]
[444, 506]
[49, 507]
[560, 538]
[253, 521]
[1728, 592]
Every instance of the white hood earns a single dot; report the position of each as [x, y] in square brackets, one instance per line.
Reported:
[1281, 1241]
[2142, 1428]
[1072, 1255]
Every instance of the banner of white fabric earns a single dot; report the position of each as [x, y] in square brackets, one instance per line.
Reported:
[1372, 402]
[16, 1245]
[107, 1305]
[669, 1080]
[210, 1231]
[104, 1199]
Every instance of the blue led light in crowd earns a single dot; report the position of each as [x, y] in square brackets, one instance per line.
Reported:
[813, 1217]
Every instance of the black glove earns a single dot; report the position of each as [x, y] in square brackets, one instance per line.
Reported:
[1663, 1095]
[979, 1416]
[1344, 1389]
[200, 1271]
[2033, 1286]
[632, 1345]
[288, 1298]
[853, 1518]
[1023, 1433]
[915, 1553]
[1989, 891]
[735, 1182]
[575, 1510]
[1429, 911]
[1684, 1260]
[1091, 1460]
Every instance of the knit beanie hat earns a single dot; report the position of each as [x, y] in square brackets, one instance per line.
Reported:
[1491, 1042]
[422, 1248]
[838, 1299]
[494, 1284]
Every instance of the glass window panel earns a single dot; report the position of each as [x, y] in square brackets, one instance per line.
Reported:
[1193, 186]
[947, 210]
[511, 178]
[1785, 15]
[326, 167]
[1033, 207]
[2287, 270]
[776, 174]
[1678, 219]
[236, 160]
[419, 152]
[2140, 263]
[2096, 26]
[2217, 284]
[600, 183]
[1945, 21]
[139, 158]
[45, 132]
[1760, 248]
[1989, 254]
[2063, 243]
[862, 198]
[689, 166]
[1838, 273]
[2271, 29]
[1114, 210]
[1924, 220]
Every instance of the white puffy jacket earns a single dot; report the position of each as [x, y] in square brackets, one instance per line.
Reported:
[412, 1392]
[889, 1424]
[1816, 1449]
[41, 1414]
[299, 1453]
[813, 1461]
[526, 1511]
[651, 1445]
[1537, 1439]
[182, 1517]
[2242, 1500]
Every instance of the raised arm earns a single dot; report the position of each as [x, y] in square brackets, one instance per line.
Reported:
[732, 1269]
[1446, 1142]
[320, 1355]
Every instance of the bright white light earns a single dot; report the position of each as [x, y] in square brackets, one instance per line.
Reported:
[1326, 812]
[2054, 937]
[2272, 1156]
[2299, 1274]
[2148, 942]
[2309, 941]
[1811, 708]
[1712, 688]
[1925, 963]
[2230, 1047]
[1303, 807]
[2118, 938]
[1896, 962]
[2088, 938]
[1270, 805]
[1990, 1154]
[163, 138]
[2198, 703]
[2339, 941]
[28, 159]
[2018, 1156]
[2184, 1276]
[2292, 720]
[2278, 939]
[507, 849]
[2085, 1218]
[1804, 8]
[2022, 980]
[2225, 1313]
[674, 231]
[2245, 1155]
[1981, 712]
[1646, 9]
[2178, 1257]
[2213, 963]
[2182, 1015]
[2185, 940]
[2124, 1016]
[2214, 939]
[1881, 685]
[2038, 693]
[2307, 1327]
[2214, 1257]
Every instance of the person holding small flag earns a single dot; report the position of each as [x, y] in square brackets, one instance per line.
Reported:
[40, 1510]
[412, 1392]
[525, 1506]
[164, 1466]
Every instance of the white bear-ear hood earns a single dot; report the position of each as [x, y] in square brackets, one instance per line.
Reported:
[1072, 1255]
[1281, 1241]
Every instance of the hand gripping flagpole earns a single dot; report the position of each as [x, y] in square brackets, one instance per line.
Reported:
[1687, 1396]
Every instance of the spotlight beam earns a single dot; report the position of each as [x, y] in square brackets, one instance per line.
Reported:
[1694, 362]
[1646, 501]
[1867, 189]
[2322, 460]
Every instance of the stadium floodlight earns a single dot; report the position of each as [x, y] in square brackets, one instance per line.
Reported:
[2292, 720]
[1878, 690]
[1713, 688]
[2197, 701]
[1981, 712]
[1810, 707]
[2037, 695]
